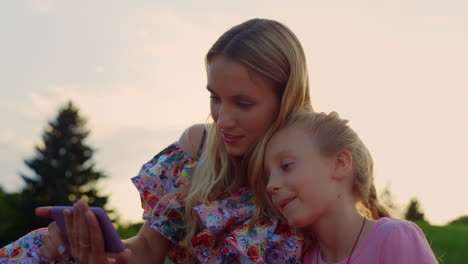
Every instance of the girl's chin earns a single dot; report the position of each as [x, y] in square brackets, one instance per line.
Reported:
[297, 223]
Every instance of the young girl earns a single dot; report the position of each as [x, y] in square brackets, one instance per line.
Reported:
[320, 178]
[197, 194]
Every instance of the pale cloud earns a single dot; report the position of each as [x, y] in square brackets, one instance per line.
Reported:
[40, 6]
[14, 141]
[99, 69]
[118, 106]
[168, 34]
[42, 103]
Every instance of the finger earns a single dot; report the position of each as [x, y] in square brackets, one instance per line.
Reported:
[83, 234]
[75, 232]
[98, 254]
[123, 257]
[69, 227]
[45, 211]
[48, 249]
[56, 236]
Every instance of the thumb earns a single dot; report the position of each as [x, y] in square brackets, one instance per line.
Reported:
[45, 211]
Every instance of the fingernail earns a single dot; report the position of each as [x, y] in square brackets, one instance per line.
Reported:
[61, 249]
[88, 215]
[82, 205]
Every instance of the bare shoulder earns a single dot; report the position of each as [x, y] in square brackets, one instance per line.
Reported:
[191, 139]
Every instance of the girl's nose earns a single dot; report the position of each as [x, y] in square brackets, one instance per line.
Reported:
[273, 185]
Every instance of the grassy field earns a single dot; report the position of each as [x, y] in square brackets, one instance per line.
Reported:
[449, 243]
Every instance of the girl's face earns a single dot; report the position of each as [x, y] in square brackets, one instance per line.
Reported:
[299, 177]
[243, 103]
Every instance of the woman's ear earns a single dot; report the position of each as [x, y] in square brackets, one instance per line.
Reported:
[343, 165]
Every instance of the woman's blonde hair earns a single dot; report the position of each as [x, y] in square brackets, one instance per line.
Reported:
[270, 49]
[331, 134]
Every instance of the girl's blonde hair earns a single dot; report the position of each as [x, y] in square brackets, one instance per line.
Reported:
[270, 49]
[331, 134]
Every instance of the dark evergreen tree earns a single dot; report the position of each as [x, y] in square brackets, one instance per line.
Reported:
[63, 166]
[63, 169]
[414, 212]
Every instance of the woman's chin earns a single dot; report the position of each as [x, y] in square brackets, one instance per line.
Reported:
[235, 151]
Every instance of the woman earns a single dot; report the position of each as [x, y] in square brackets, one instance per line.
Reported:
[200, 208]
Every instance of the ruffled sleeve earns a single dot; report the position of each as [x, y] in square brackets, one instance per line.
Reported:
[225, 234]
[158, 181]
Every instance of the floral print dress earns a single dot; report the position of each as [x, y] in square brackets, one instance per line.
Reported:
[224, 234]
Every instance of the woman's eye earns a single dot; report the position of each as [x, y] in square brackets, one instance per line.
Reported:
[214, 98]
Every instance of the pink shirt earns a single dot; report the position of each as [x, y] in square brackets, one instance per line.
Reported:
[389, 241]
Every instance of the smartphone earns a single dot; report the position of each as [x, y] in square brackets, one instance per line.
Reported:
[112, 240]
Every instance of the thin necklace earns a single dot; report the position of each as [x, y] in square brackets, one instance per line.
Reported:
[354, 246]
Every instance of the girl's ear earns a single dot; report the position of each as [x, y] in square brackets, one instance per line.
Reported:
[343, 165]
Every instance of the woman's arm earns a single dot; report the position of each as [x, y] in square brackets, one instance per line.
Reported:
[148, 246]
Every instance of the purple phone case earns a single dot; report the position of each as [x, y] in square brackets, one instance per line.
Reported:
[111, 237]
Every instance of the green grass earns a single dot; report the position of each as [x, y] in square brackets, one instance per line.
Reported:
[449, 243]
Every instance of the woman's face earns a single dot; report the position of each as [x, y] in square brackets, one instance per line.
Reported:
[243, 103]
[299, 177]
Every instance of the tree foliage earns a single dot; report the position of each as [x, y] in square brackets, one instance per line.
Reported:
[63, 171]
[462, 220]
[414, 212]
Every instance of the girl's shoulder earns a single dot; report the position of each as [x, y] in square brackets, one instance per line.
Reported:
[387, 230]
[396, 238]
[388, 224]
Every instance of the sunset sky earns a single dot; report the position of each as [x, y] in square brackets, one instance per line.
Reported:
[398, 70]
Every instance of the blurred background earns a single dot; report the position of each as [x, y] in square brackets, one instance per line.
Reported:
[123, 79]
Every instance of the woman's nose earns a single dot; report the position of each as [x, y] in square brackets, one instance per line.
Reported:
[226, 118]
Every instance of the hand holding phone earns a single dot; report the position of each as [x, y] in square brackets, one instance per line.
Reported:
[112, 240]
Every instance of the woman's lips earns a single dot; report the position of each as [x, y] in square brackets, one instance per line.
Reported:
[231, 139]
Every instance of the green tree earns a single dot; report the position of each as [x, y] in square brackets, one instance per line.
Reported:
[414, 212]
[63, 172]
[462, 220]
[63, 166]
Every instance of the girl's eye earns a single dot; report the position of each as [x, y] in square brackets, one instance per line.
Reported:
[244, 105]
[286, 166]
